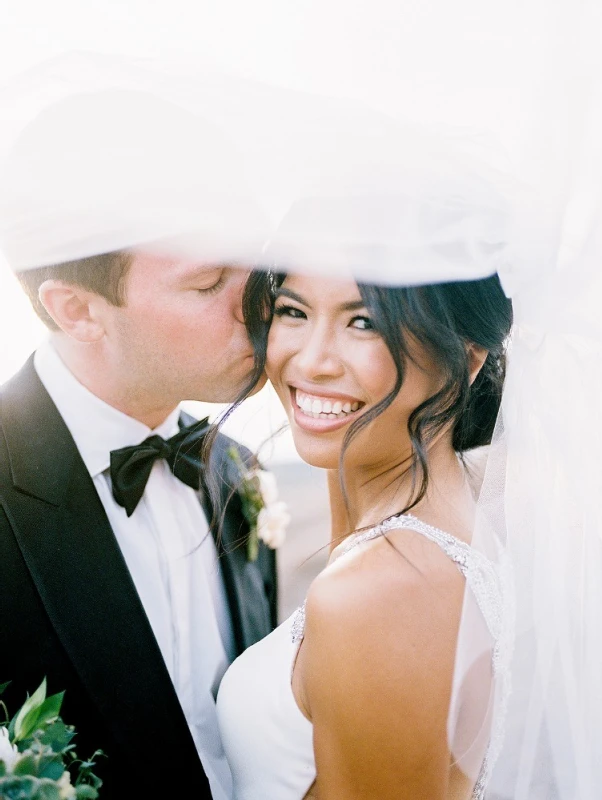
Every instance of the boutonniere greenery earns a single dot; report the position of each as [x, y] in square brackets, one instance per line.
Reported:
[267, 516]
[37, 759]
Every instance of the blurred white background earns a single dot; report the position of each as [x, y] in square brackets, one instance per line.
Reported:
[466, 62]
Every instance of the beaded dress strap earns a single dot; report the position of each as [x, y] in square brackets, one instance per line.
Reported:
[476, 568]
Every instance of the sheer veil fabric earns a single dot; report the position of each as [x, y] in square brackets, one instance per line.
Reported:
[227, 169]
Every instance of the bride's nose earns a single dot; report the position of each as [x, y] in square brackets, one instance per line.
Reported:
[318, 354]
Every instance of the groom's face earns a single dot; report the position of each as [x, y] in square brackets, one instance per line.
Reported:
[180, 334]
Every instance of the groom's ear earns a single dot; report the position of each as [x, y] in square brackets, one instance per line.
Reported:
[74, 309]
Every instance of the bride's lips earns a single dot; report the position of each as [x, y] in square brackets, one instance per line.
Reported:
[323, 424]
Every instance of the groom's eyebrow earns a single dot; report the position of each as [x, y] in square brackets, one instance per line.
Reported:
[200, 269]
[190, 273]
[353, 305]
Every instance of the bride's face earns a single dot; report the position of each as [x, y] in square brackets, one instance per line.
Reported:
[329, 366]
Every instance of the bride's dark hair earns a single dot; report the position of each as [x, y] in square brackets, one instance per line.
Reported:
[445, 318]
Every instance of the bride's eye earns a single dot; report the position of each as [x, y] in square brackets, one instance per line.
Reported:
[288, 311]
[362, 323]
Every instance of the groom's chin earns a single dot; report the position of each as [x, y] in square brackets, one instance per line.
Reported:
[259, 385]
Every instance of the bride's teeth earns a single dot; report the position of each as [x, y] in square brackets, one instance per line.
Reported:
[325, 408]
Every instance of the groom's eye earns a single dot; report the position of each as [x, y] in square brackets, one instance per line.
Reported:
[213, 283]
[289, 311]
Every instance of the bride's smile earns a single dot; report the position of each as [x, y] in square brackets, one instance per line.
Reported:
[319, 414]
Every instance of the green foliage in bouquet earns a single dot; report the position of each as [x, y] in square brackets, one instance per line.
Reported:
[37, 759]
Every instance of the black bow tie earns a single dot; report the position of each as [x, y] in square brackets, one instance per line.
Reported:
[131, 466]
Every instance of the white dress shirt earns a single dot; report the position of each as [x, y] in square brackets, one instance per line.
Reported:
[169, 552]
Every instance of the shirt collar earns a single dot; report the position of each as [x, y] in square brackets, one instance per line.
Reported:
[96, 427]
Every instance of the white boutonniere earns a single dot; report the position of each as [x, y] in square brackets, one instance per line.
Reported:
[268, 517]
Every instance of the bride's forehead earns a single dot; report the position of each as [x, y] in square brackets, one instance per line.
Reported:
[327, 290]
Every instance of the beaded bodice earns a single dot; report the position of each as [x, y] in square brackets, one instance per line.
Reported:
[488, 585]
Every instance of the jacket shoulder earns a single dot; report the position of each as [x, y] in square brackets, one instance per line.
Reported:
[221, 461]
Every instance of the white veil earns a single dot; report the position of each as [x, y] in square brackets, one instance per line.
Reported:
[229, 170]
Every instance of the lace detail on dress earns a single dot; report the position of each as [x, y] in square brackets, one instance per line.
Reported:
[490, 584]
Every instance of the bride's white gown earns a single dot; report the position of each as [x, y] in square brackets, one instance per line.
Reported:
[267, 739]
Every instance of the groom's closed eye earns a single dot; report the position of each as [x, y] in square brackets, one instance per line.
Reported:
[204, 279]
[216, 285]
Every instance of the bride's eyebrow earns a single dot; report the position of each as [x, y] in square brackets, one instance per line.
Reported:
[291, 296]
[353, 305]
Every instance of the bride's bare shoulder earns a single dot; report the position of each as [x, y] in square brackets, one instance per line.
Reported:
[398, 597]
[378, 654]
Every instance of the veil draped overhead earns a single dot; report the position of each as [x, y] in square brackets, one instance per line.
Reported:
[219, 167]
[101, 153]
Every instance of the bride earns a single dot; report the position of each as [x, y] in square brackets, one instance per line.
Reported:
[352, 697]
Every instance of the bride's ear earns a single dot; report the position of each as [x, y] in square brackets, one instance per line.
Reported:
[476, 358]
[73, 309]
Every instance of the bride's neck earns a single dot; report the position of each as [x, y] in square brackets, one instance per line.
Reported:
[374, 495]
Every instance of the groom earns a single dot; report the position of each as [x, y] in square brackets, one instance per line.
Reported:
[113, 586]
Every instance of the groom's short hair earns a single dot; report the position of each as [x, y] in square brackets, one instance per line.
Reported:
[103, 274]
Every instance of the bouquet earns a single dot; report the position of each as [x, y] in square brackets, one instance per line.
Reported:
[37, 760]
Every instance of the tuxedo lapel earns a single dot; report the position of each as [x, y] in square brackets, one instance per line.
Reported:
[81, 576]
[251, 616]
[245, 590]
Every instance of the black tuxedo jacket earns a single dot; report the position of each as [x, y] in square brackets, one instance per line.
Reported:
[69, 609]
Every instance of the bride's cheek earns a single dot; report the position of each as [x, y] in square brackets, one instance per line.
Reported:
[279, 352]
[271, 356]
[273, 370]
